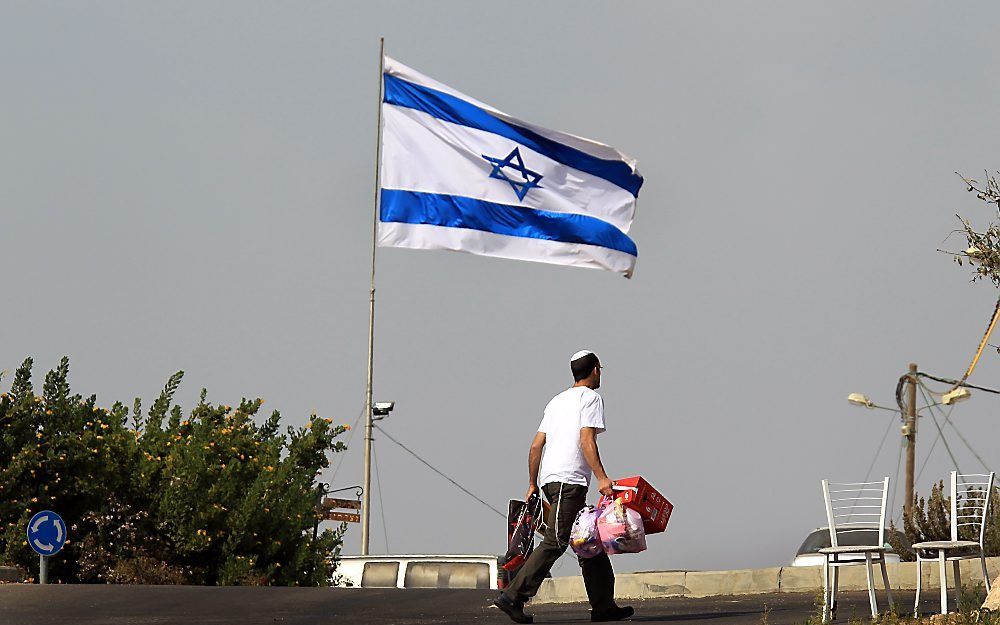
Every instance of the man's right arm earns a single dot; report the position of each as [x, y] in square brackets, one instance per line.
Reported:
[534, 461]
[588, 444]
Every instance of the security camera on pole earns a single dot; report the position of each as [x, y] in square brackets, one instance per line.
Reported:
[379, 410]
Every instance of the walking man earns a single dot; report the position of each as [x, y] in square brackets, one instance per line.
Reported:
[568, 436]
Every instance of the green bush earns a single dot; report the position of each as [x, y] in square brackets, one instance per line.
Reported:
[211, 497]
[931, 520]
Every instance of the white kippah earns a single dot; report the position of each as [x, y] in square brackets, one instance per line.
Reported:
[580, 354]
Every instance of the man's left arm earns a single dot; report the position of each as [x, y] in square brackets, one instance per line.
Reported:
[592, 424]
[588, 445]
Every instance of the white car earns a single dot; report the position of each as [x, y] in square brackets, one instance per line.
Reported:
[417, 571]
[809, 555]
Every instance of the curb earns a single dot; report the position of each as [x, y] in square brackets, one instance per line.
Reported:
[656, 584]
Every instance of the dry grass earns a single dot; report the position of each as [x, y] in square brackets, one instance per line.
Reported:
[969, 613]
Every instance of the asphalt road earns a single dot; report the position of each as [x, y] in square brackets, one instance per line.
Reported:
[196, 605]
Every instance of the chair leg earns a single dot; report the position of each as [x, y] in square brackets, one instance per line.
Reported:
[920, 579]
[986, 574]
[871, 583]
[943, 572]
[885, 580]
[958, 581]
[826, 588]
[833, 593]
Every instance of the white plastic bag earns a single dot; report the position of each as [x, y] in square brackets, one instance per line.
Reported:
[583, 537]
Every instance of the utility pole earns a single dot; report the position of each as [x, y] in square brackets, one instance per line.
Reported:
[910, 432]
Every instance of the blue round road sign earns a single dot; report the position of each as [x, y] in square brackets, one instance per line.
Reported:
[46, 533]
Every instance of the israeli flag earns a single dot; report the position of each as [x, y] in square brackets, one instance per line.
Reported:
[457, 174]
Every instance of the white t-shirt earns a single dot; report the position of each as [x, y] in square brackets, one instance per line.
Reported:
[568, 412]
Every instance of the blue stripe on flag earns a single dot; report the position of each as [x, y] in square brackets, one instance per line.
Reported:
[455, 211]
[447, 107]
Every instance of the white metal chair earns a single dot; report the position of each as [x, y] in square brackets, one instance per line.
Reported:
[853, 508]
[975, 490]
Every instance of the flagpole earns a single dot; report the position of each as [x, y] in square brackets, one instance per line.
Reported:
[366, 503]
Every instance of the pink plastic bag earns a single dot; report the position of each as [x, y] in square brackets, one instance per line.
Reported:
[583, 537]
[621, 530]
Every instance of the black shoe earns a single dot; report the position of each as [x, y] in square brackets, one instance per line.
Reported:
[514, 610]
[616, 613]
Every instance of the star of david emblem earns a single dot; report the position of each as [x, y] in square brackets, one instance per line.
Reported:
[523, 180]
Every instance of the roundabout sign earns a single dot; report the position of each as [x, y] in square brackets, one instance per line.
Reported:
[46, 536]
[46, 533]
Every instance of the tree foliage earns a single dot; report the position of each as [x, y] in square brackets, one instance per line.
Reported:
[983, 251]
[215, 496]
[931, 520]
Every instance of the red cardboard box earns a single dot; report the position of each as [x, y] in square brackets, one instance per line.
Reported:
[638, 494]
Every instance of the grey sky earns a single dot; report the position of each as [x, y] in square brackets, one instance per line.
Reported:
[188, 186]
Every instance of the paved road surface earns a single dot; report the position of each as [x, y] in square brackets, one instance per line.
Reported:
[194, 605]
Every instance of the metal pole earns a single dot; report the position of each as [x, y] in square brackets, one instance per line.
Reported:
[316, 513]
[911, 436]
[43, 570]
[365, 505]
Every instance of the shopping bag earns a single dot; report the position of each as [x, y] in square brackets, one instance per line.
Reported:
[638, 494]
[522, 536]
[583, 537]
[620, 529]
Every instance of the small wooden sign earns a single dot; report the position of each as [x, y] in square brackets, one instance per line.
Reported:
[348, 517]
[331, 503]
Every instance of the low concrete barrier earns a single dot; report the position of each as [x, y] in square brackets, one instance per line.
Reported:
[648, 585]
[11, 574]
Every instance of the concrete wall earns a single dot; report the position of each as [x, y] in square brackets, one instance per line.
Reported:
[10, 574]
[902, 576]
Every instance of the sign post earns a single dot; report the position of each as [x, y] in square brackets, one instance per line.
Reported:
[46, 537]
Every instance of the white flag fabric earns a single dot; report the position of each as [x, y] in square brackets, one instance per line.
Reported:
[457, 174]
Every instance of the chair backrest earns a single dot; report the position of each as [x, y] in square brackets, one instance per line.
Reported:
[855, 507]
[975, 490]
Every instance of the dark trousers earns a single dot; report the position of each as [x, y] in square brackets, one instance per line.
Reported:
[598, 576]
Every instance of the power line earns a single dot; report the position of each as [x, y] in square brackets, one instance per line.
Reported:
[982, 343]
[381, 506]
[948, 421]
[926, 458]
[879, 450]
[933, 445]
[941, 433]
[433, 468]
[350, 437]
[957, 383]
[946, 445]
[978, 457]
